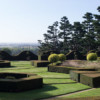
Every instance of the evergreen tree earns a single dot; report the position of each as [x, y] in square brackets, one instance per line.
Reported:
[96, 24]
[51, 42]
[82, 37]
[89, 39]
[65, 32]
[77, 37]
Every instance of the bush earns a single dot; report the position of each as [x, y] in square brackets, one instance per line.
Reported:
[42, 63]
[62, 57]
[53, 58]
[92, 56]
[98, 58]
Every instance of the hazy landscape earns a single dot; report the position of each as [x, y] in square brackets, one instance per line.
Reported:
[15, 48]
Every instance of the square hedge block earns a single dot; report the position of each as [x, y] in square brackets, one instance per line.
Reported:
[92, 80]
[75, 75]
[40, 63]
[18, 82]
[4, 63]
[43, 57]
[60, 69]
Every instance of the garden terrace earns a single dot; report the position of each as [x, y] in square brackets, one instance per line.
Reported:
[54, 84]
[4, 63]
[17, 82]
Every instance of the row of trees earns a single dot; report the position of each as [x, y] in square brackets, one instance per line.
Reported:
[81, 36]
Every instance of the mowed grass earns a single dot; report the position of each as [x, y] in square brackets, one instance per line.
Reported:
[54, 83]
[92, 93]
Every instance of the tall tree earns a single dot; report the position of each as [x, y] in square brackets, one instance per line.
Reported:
[51, 41]
[77, 37]
[96, 24]
[89, 39]
[65, 32]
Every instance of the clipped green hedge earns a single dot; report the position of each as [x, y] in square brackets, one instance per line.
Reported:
[92, 80]
[42, 63]
[66, 69]
[4, 63]
[25, 82]
[60, 69]
[75, 75]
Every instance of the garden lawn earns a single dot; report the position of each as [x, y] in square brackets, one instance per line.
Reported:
[54, 83]
[91, 93]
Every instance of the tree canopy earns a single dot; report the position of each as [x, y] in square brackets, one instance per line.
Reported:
[63, 36]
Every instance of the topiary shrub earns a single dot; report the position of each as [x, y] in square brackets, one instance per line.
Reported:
[92, 56]
[53, 58]
[62, 57]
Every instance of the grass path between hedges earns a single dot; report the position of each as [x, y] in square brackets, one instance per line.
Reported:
[92, 93]
[54, 83]
[65, 96]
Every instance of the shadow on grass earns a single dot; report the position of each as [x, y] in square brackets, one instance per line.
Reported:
[36, 94]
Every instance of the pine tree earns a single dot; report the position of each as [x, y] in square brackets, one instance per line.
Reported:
[77, 37]
[65, 32]
[89, 39]
[51, 42]
[96, 24]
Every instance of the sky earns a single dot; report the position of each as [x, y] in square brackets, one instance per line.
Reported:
[25, 21]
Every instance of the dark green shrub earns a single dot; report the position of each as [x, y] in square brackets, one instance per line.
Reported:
[62, 57]
[75, 55]
[22, 82]
[40, 63]
[92, 56]
[4, 63]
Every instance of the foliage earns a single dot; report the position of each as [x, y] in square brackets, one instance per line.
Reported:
[53, 58]
[79, 36]
[92, 56]
[62, 57]
[91, 51]
[64, 34]
[51, 41]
